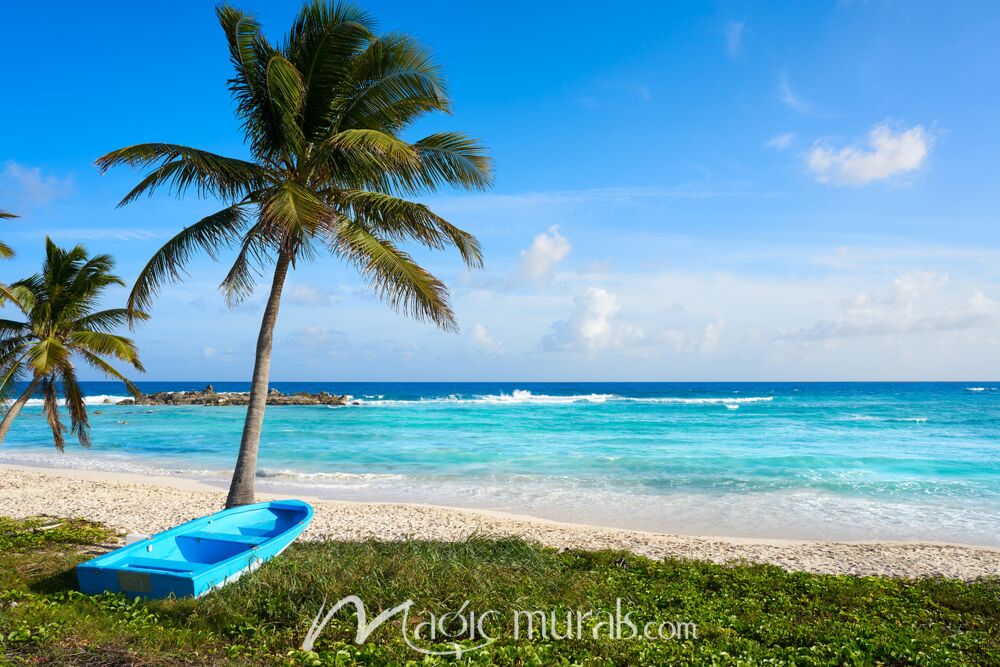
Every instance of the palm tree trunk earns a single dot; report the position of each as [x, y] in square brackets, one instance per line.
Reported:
[241, 490]
[16, 408]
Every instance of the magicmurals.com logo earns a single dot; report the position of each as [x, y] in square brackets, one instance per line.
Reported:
[465, 624]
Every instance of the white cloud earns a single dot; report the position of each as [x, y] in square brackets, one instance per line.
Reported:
[789, 98]
[590, 326]
[317, 336]
[780, 142]
[546, 251]
[484, 341]
[734, 37]
[29, 187]
[544, 203]
[710, 338]
[911, 305]
[303, 294]
[103, 234]
[595, 324]
[888, 154]
[226, 356]
[685, 339]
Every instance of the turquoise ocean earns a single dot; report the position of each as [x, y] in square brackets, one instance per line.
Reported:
[855, 461]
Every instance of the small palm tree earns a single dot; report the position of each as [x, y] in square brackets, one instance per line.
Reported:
[6, 252]
[60, 322]
[322, 114]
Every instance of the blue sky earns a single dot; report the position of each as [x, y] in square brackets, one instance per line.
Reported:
[684, 191]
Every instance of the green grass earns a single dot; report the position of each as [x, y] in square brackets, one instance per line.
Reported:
[747, 614]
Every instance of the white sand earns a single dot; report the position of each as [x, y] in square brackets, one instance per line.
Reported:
[151, 504]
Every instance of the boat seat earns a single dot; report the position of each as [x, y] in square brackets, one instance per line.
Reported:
[165, 565]
[251, 540]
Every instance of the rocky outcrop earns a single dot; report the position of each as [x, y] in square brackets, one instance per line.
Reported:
[209, 396]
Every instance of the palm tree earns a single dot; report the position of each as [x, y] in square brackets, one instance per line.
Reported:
[60, 322]
[322, 114]
[6, 252]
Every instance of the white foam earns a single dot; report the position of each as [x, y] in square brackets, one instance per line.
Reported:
[99, 399]
[326, 476]
[105, 461]
[705, 401]
[872, 418]
[525, 396]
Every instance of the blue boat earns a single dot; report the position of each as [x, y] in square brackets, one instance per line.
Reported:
[200, 555]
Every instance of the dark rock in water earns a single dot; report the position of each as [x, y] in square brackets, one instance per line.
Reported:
[274, 397]
[209, 389]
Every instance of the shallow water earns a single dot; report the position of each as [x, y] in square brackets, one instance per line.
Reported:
[830, 461]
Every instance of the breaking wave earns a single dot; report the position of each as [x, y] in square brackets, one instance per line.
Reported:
[325, 476]
[524, 396]
[99, 399]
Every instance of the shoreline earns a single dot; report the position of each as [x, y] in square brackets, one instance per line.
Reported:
[110, 498]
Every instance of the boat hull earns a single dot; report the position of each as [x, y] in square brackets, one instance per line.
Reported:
[200, 555]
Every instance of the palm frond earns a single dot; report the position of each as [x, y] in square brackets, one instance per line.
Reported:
[181, 167]
[393, 275]
[19, 295]
[76, 405]
[239, 283]
[47, 354]
[452, 158]
[211, 234]
[392, 83]
[322, 43]
[286, 94]
[12, 371]
[362, 156]
[99, 342]
[4, 215]
[109, 320]
[50, 407]
[89, 279]
[250, 54]
[294, 208]
[10, 328]
[6, 252]
[104, 367]
[399, 220]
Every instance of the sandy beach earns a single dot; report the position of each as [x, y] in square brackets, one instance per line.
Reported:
[150, 504]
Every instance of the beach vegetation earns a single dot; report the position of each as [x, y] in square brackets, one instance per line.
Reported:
[745, 614]
[62, 325]
[329, 173]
